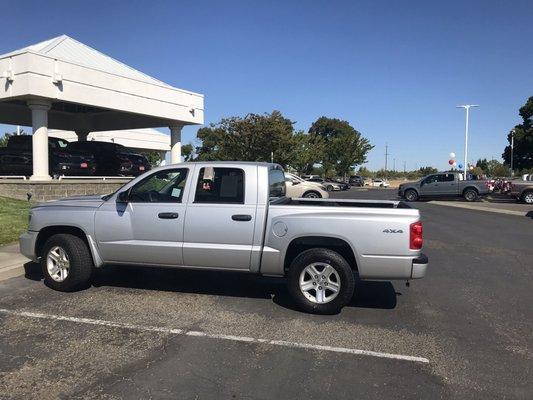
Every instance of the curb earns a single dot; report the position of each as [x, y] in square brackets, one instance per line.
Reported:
[479, 208]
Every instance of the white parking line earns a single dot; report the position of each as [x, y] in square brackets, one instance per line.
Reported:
[245, 339]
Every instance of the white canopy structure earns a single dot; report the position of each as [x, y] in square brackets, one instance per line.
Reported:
[63, 84]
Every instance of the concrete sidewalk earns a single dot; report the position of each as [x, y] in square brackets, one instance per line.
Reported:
[11, 261]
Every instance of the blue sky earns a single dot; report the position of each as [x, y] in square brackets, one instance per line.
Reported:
[395, 70]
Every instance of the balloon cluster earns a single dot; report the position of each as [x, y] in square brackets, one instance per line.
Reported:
[452, 161]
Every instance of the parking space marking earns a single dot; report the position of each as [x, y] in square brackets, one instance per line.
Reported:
[244, 339]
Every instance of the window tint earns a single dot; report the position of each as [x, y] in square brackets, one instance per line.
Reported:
[162, 187]
[276, 183]
[431, 179]
[448, 178]
[220, 185]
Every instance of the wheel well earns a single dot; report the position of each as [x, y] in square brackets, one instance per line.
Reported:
[301, 244]
[312, 191]
[49, 231]
[471, 187]
[526, 191]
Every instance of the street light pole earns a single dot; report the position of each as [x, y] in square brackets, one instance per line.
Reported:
[467, 108]
[512, 150]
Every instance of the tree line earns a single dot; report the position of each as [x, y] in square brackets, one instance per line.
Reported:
[333, 143]
[523, 141]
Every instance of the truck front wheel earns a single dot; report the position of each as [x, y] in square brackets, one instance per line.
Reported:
[66, 263]
[527, 197]
[321, 281]
[470, 195]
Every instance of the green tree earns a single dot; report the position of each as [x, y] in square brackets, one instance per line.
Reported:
[308, 148]
[252, 138]
[483, 164]
[423, 171]
[364, 172]
[345, 147]
[187, 151]
[4, 139]
[523, 140]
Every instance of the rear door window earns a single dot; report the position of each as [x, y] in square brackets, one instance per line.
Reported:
[220, 186]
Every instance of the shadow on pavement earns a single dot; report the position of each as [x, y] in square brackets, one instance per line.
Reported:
[369, 294]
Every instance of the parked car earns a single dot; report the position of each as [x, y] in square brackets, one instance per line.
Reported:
[297, 187]
[17, 158]
[379, 183]
[522, 190]
[443, 184]
[356, 180]
[228, 216]
[113, 159]
[329, 185]
[343, 185]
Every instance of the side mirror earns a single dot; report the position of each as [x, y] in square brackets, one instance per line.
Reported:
[123, 197]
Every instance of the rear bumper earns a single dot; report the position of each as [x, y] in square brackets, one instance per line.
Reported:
[419, 267]
[27, 243]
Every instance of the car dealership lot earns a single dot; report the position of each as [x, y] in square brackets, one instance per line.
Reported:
[141, 333]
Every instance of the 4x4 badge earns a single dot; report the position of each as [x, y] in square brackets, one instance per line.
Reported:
[392, 231]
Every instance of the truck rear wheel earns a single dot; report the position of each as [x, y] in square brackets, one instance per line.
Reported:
[470, 195]
[66, 263]
[321, 281]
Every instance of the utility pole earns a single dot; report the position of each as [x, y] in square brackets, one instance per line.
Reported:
[467, 108]
[512, 151]
[386, 155]
[404, 167]
[394, 164]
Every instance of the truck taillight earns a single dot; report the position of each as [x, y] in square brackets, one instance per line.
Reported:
[415, 236]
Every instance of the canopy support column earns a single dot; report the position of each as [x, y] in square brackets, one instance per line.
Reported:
[39, 121]
[175, 143]
[82, 135]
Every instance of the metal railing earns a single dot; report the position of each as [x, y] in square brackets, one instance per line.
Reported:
[103, 178]
[13, 177]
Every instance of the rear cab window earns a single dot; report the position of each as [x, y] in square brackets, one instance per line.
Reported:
[276, 183]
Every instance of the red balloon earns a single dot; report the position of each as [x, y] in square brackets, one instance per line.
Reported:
[450, 162]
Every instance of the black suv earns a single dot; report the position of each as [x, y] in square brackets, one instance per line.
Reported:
[356, 180]
[113, 159]
[17, 158]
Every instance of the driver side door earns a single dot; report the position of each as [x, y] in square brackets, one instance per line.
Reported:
[148, 229]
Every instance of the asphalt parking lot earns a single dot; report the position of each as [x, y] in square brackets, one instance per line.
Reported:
[462, 332]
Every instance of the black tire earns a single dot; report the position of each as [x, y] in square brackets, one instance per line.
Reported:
[410, 195]
[527, 197]
[312, 195]
[80, 260]
[329, 188]
[339, 264]
[470, 195]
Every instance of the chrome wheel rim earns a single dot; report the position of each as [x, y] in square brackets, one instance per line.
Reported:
[320, 283]
[57, 264]
[311, 196]
[410, 195]
[528, 198]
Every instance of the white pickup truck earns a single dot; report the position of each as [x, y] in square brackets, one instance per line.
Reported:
[231, 216]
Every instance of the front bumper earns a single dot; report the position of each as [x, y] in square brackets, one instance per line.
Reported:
[27, 242]
[419, 267]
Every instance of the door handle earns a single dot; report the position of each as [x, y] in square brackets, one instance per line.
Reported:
[241, 217]
[168, 215]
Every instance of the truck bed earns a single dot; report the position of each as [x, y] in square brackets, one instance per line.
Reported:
[339, 203]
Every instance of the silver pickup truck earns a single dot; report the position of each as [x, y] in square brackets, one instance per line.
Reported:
[231, 216]
[443, 184]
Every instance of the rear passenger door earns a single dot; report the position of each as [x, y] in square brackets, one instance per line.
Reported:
[220, 218]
